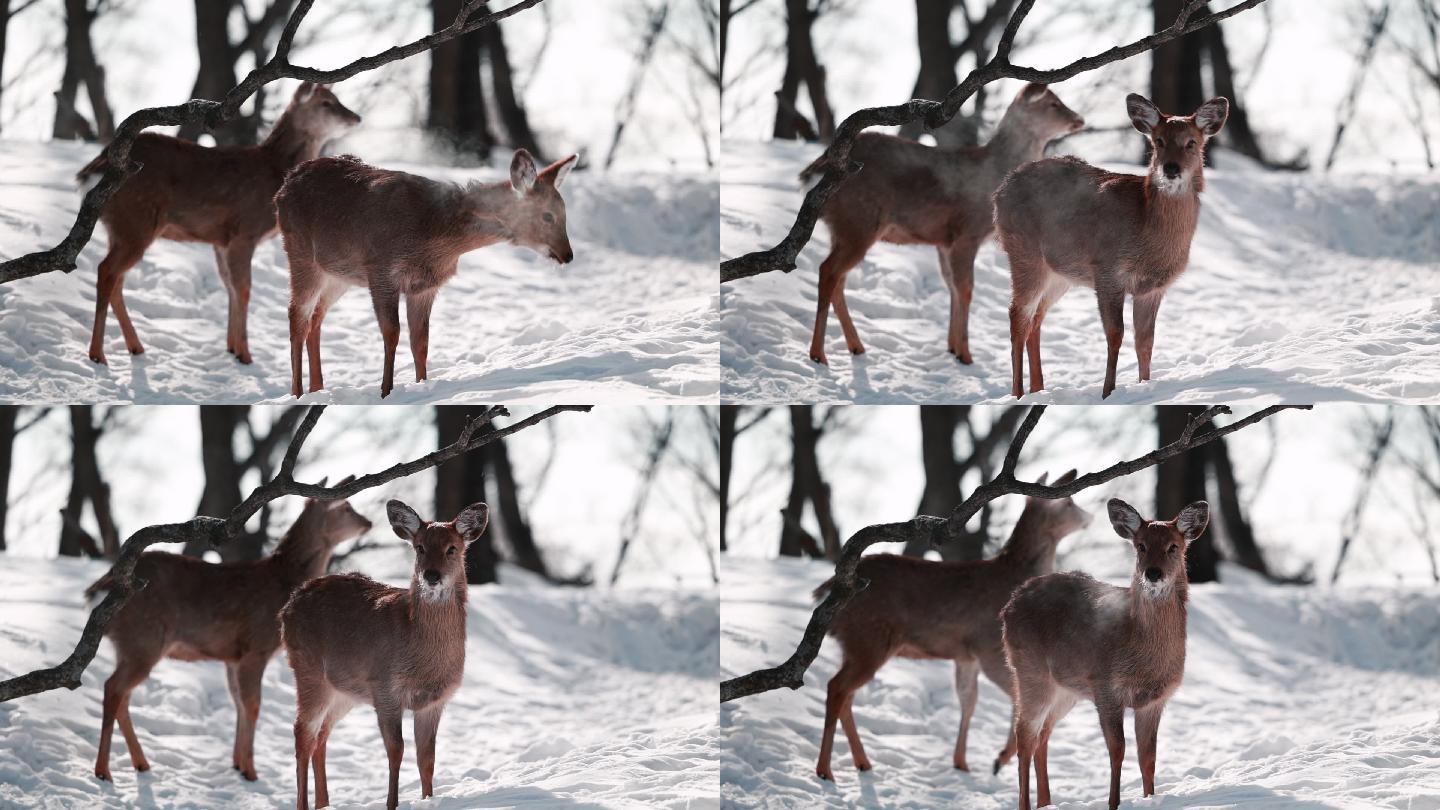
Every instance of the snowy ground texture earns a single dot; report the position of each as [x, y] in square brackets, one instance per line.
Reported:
[1302, 287]
[1293, 698]
[574, 697]
[633, 318]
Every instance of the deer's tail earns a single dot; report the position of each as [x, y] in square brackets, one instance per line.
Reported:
[816, 167]
[98, 586]
[90, 175]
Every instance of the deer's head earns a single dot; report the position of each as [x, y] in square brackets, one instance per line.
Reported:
[537, 219]
[1159, 544]
[1177, 143]
[1060, 516]
[315, 111]
[1038, 110]
[439, 547]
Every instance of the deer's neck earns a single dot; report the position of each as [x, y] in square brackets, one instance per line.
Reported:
[1176, 209]
[1029, 549]
[296, 563]
[1159, 623]
[290, 146]
[1012, 145]
[488, 208]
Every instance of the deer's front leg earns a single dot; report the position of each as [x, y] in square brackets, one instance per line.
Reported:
[387, 311]
[1112, 318]
[417, 313]
[1145, 310]
[427, 725]
[1147, 734]
[389, 713]
[1112, 724]
[237, 261]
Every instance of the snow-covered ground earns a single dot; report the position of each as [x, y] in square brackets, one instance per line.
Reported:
[1302, 287]
[633, 318]
[576, 697]
[1293, 698]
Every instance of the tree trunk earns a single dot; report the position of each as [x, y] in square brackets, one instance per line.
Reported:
[1181, 481]
[83, 436]
[1238, 534]
[729, 414]
[81, 67]
[460, 482]
[1237, 133]
[937, 73]
[518, 536]
[7, 452]
[216, 74]
[457, 110]
[502, 84]
[801, 66]
[804, 474]
[1175, 81]
[223, 472]
[937, 456]
[654, 27]
[4, 37]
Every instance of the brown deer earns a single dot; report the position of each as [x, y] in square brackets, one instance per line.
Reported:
[945, 610]
[346, 224]
[912, 194]
[1064, 222]
[353, 640]
[192, 610]
[223, 196]
[1068, 637]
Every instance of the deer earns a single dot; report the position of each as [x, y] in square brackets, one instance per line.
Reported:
[346, 224]
[1064, 222]
[1068, 636]
[914, 608]
[911, 194]
[192, 610]
[222, 196]
[353, 640]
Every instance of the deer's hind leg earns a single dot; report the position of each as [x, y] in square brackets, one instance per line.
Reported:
[127, 245]
[130, 671]
[1063, 702]
[845, 253]
[957, 267]
[248, 674]
[1035, 694]
[995, 668]
[313, 697]
[1029, 280]
[330, 291]
[967, 689]
[856, 671]
[235, 272]
[338, 708]
[1055, 288]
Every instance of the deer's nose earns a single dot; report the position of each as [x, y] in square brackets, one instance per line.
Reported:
[1153, 574]
[1172, 170]
[432, 576]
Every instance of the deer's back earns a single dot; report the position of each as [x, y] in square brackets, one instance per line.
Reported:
[194, 610]
[910, 193]
[197, 193]
[354, 219]
[927, 609]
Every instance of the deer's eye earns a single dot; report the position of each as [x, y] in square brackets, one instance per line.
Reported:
[1191, 144]
[1160, 142]
[1140, 547]
[548, 217]
[450, 552]
[1173, 548]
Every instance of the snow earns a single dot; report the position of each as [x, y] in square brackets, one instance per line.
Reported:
[1302, 287]
[1293, 697]
[571, 696]
[632, 319]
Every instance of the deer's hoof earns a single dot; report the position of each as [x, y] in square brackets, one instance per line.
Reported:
[243, 357]
[960, 765]
[857, 349]
[863, 765]
[965, 358]
[818, 357]
[824, 773]
[249, 774]
[103, 773]
[98, 357]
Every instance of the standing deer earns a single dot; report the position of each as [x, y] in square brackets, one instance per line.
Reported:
[198, 611]
[348, 224]
[1068, 637]
[353, 640]
[223, 196]
[946, 610]
[912, 194]
[1064, 222]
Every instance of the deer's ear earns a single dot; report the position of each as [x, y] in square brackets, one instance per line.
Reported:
[403, 520]
[305, 91]
[1211, 115]
[522, 172]
[1192, 520]
[1066, 478]
[1124, 518]
[1044, 476]
[556, 172]
[343, 481]
[471, 522]
[1143, 112]
[1033, 91]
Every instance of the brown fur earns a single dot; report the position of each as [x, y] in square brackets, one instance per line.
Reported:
[222, 196]
[912, 194]
[353, 640]
[1064, 222]
[1068, 636]
[943, 610]
[192, 610]
[349, 224]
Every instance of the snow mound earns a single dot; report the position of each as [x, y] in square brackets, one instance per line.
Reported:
[1293, 698]
[571, 696]
[632, 319]
[1302, 287]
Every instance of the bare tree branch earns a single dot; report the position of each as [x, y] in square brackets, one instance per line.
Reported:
[837, 161]
[212, 114]
[935, 531]
[216, 531]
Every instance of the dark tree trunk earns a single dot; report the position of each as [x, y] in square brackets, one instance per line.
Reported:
[223, 471]
[502, 84]
[806, 485]
[7, 453]
[457, 99]
[1238, 535]
[4, 38]
[1175, 81]
[81, 67]
[84, 472]
[216, 74]
[518, 537]
[802, 67]
[1237, 133]
[460, 482]
[1181, 481]
[729, 415]
[937, 72]
[937, 456]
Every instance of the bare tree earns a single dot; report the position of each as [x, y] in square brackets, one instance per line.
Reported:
[458, 112]
[731, 427]
[802, 66]
[8, 414]
[807, 485]
[651, 29]
[1375, 21]
[87, 486]
[659, 444]
[9, 9]
[219, 59]
[81, 67]
[944, 471]
[939, 56]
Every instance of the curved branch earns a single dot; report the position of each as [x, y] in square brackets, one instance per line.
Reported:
[122, 584]
[213, 114]
[934, 531]
[836, 160]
